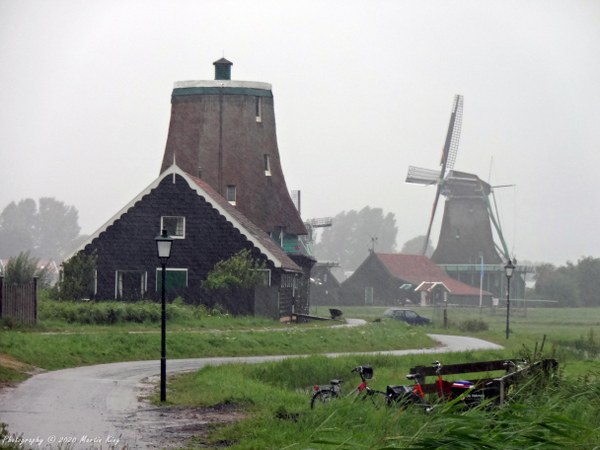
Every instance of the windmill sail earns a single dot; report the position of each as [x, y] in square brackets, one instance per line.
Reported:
[427, 176]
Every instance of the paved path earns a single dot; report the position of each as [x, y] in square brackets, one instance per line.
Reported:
[97, 406]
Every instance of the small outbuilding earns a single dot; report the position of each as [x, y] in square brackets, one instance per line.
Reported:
[402, 279]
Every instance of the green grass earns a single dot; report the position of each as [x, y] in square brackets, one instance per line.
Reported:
[276, 398]
[93, 346]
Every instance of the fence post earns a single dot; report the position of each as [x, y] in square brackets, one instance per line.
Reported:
[35, 306]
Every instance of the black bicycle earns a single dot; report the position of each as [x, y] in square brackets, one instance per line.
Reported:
[325, 393]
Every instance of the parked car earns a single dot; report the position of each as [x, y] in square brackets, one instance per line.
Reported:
[406, 315]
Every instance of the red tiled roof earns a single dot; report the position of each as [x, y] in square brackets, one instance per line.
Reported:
[416, 269]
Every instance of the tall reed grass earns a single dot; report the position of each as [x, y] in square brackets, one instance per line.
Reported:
[544, 414]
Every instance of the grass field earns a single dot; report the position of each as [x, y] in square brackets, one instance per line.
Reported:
[274, 397]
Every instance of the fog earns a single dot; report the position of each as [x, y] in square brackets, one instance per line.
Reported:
[362, 90]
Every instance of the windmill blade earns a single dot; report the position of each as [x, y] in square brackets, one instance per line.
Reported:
[453, 136]
[495, 219]
[419, 175]
[448, 157]
[435, 203]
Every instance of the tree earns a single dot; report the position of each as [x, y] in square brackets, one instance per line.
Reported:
[353, 234]
[48, 231]
[22, 269]
[77, 278]
[239, 271]
[588, 281]
[414, 246]
[572, 284]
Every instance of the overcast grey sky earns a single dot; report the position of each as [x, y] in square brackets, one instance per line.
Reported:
[363, 89]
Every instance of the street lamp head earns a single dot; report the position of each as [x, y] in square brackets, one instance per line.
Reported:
[509, 268]
[163, 245]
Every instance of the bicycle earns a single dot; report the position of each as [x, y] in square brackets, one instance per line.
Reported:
[325, 393]
[462, 390]
[403, 395]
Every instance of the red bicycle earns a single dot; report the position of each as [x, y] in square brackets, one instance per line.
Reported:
[445, 390]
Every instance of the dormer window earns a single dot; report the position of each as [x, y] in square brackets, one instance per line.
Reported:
[267, 164]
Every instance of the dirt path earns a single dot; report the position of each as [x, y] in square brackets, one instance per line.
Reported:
[100, 407]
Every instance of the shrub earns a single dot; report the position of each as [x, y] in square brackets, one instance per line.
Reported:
[21, 269]
[239, 271]
[78, 278]
[473, 325]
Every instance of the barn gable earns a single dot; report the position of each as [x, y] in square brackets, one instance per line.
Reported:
[206, 229]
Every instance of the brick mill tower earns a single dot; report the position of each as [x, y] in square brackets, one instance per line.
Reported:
[223, 131]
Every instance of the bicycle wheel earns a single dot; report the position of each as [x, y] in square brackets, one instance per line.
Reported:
[378, 398]
[406, 399]
[322, 396]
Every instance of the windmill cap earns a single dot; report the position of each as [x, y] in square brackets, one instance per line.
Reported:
[223, 69]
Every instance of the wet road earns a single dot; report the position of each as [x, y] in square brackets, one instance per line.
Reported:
[97, 406]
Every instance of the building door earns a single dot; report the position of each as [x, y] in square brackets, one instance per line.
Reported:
[369, 295]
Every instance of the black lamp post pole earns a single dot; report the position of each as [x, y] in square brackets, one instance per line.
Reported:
[163, 245]
[163, 337]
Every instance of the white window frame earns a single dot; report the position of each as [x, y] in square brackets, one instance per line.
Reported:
[180, 224]
[267, 164]
[232, 194]
[119, 281]
[258, 109]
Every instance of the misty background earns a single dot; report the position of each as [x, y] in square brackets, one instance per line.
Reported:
[362, 90]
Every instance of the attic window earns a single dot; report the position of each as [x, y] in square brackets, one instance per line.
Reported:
[175, 226]
[258, 109]
[267, 164]
[231, 194]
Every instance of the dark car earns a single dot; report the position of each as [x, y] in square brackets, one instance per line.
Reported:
[406, 315]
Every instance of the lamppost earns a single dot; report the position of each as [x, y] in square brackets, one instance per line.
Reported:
[508, 271]
[163, 246]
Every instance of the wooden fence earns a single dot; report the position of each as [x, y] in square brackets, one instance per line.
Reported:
[19, 303]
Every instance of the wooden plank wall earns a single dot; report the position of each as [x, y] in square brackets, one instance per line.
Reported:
[19, 303]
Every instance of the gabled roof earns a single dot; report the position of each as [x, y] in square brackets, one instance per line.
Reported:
[428, 286]
[250, 231]
[416, 269]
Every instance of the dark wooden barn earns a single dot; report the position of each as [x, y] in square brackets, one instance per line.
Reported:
[206, 229]
[325, 286]
[399, 279]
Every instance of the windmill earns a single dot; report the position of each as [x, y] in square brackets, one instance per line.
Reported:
[466, 232]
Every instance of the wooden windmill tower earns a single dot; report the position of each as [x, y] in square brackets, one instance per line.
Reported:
[466, 235]
[223, 131]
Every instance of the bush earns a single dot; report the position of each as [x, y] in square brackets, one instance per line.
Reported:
[473, 325]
